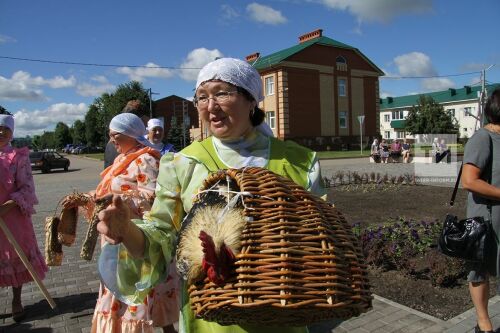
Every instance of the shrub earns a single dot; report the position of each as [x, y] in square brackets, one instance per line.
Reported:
[444, 271]
[397, 244]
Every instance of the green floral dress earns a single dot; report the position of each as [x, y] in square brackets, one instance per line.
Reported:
[179, 180]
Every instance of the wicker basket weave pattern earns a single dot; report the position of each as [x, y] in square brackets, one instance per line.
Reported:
[299, 261]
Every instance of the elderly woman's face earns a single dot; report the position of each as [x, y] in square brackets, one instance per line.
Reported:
[228, 117]
[122, 142]
[155, 135]
[5, 135]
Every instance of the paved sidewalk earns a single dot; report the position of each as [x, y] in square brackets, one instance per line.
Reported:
[74, 287]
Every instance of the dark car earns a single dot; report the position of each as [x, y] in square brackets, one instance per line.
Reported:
[47, 160]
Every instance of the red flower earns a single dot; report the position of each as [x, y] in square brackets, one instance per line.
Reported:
[141, 178]
[125, 187]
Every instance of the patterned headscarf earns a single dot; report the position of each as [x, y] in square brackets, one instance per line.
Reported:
[234, 71]
[130, 125]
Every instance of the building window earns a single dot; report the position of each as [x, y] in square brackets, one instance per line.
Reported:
[452, 112]
[343, 119]
[387, 118]
[340, 60]
[387, 134]
[468, 111]
[400, 134]
[271, 119]
[396, 115]
[269, 85]
[342, 90]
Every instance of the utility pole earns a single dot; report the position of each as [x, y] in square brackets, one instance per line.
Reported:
[151, 102]
[483, 97]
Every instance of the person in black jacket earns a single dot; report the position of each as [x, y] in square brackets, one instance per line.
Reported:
[133, 106]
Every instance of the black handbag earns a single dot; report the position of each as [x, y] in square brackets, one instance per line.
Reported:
[468, 238]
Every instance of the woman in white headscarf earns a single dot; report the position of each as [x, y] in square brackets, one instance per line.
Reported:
[227, 95]
[132, 176]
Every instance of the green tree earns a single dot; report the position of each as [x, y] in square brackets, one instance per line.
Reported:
[94, 134]
[62, 135]
[4, 111]
[112, 104]
[175, 136]
[429, 117]
[44, 141]
[78, 132]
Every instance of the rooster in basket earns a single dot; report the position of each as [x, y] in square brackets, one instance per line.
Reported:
[210, 235]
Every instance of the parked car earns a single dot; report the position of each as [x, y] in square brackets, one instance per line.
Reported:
[46, 161]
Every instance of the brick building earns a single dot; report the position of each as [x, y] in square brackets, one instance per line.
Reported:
[183, 109]
[315, 90]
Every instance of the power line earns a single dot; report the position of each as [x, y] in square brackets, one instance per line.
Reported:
[93, 64]
[198, 68]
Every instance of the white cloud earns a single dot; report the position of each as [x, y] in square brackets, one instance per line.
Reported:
[7, 39]
[380, 10]
[56, 82]
[22, 86]
[437, 83]
[414, 64]
[228, 13]
[141, 73]
[17, 91]
[88, 90]
[35, 122]
[197, 59]
[265, 14]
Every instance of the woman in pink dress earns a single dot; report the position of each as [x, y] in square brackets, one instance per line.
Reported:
[17, 201]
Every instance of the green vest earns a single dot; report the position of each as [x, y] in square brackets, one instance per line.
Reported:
[286, 158]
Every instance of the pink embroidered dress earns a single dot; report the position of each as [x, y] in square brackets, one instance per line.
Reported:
[133, 176]
[16, 183]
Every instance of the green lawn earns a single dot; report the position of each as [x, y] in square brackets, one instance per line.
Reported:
[343, 154]
[97, 156]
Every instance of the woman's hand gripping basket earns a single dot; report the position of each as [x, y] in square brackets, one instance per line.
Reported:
[256, 248]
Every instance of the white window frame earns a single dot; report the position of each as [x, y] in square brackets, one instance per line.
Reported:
[269, 82]
[343, 118]
[468, 110]
[398, 115]
[271, 119]
[400, 134]
[342, 87]
[387, 134]
[387, 118]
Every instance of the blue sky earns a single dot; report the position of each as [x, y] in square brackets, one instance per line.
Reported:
[405, 38]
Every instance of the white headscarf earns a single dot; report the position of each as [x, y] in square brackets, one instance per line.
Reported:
[234, 71]
[238, 73]
[154, 122]
[130, 125]
[7, 120]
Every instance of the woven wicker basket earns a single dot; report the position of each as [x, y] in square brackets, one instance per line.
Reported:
[299, 261]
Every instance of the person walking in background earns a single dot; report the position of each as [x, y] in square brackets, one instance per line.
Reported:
[17, 201]
[406, 151]
[156, 134]
[481, 177]
[136, 107]
[444, 151]
[374, 151]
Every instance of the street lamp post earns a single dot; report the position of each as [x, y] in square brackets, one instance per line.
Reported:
[361, 120]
